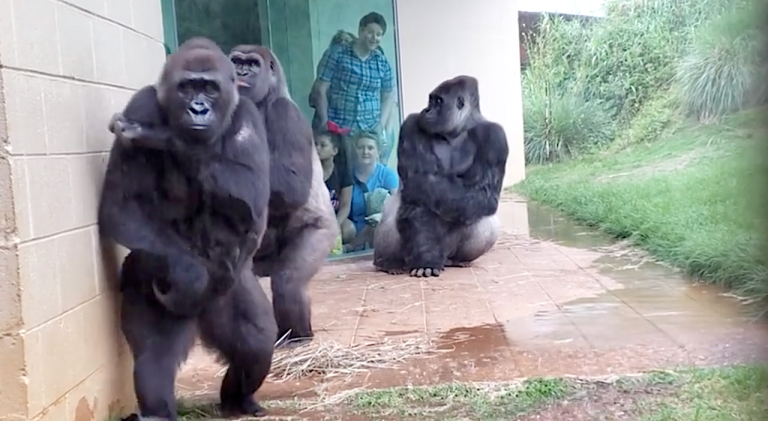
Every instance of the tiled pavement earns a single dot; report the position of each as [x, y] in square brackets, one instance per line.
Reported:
[547, 300]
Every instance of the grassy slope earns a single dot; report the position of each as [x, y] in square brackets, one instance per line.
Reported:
[688, 198]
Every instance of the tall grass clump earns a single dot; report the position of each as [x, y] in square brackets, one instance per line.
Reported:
[603, 71]
[561, 124]
[723, 73]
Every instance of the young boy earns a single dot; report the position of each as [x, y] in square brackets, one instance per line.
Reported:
[336, 178]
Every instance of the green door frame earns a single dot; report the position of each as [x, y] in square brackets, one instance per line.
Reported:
[171, 34]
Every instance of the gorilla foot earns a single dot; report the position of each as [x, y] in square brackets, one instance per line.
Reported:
[137, 417]
[245, 407]
[392, 270]
[287, 340]
[451, 263]
[390, 266]
[425, 272]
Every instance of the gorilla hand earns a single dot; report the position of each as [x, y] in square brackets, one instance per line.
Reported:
[125, 130]
[132, 134]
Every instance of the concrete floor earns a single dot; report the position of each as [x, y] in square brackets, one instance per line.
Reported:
[552, 298]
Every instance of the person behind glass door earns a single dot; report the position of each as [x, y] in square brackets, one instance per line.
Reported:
[355, 85]
[341, 37]
[336, 178]
[368, 175]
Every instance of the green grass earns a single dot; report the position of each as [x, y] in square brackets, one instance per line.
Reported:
[722, 394]
[734, 393]
[461, 401]
[689, 198]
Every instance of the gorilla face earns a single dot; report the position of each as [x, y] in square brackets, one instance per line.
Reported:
[198, 93]
[254, 72]
[442, 114]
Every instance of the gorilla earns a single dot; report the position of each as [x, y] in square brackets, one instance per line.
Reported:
[451, 162]
[302, 228]
[187, 192]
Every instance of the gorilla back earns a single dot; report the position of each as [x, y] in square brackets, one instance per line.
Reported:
[451, 163]
[211, 151]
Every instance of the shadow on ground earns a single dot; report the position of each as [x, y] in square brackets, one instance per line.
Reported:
[552, 298]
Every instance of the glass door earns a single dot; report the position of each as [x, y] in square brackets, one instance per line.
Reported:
[343, 52]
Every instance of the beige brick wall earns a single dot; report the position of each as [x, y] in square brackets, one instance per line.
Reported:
[63, 72]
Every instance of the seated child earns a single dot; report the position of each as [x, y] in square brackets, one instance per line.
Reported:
[336, 178]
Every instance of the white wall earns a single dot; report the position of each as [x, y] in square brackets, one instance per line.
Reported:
[441, 39]
[571, 7]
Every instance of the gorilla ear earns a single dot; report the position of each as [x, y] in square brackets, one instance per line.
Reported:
[460, 102]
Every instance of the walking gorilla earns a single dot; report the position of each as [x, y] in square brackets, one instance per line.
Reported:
[187, 190]
[302, 228]
[451, 163]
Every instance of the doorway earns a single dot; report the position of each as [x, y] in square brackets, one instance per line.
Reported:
[301, 33]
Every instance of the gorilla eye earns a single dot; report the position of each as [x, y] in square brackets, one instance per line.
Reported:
[211, 89]
[185, 87]
[460, 102]
[272, 66]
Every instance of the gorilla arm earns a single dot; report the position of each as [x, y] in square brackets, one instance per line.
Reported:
[239, 177]
[291, 146]
[466, 197]
[121, 218]
[142, 122]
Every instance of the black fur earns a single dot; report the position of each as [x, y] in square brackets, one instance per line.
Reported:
[451, 163]
[187, 190]
[302, 226]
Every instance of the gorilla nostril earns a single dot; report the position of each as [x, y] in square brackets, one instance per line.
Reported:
[198, 109]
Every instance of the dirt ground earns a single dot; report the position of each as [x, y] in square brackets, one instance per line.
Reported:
[552, 298]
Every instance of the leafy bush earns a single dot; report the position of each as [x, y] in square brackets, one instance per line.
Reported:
[562, 124]
[722, 73]
[604, 71]
[651, 121]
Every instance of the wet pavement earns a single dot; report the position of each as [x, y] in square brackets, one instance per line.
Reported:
[552, 298]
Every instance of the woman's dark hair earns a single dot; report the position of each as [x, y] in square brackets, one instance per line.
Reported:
[376, 18]
[335, 138]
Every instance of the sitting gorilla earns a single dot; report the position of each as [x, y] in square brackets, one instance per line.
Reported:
[451, 162]
[302, 228]
[186, 191]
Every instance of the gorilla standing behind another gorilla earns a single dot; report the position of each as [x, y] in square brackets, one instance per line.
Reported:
[451, 163]
[302, 226]
[190, 201]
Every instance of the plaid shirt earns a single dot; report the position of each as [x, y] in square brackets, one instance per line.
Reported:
[354, 97]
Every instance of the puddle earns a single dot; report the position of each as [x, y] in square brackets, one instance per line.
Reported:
[548, 300]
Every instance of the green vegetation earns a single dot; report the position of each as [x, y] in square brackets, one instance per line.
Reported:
[461, 401]
[646, 124]
[734, 393]
[685, 198]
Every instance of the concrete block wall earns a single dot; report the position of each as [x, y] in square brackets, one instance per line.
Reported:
[65, 67]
